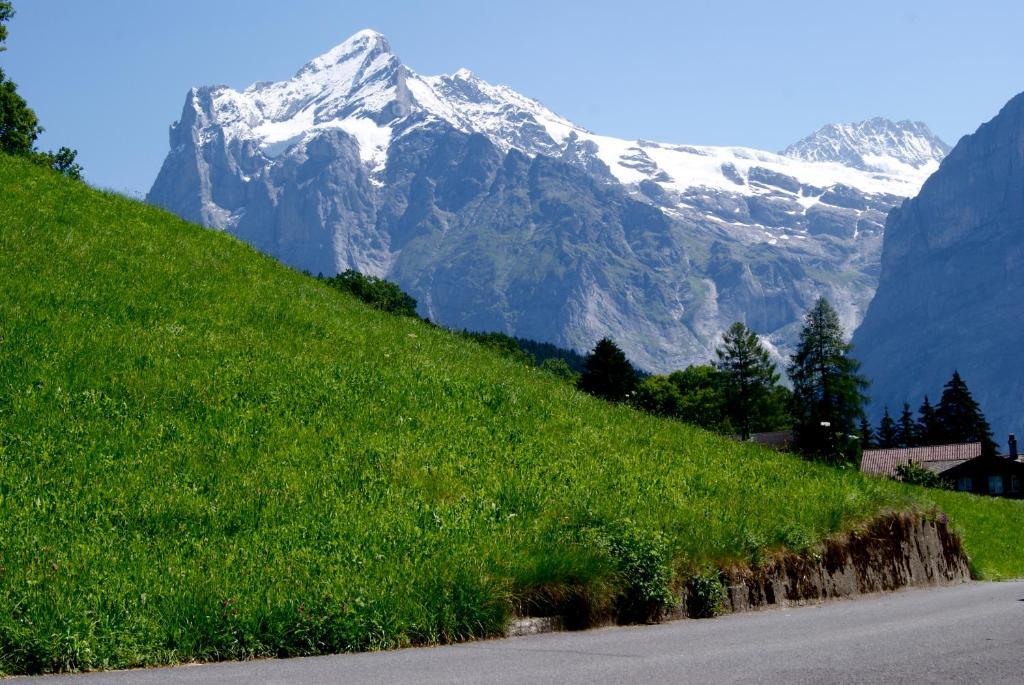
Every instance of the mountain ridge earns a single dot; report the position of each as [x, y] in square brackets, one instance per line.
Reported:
[359, 162]
[949, 291]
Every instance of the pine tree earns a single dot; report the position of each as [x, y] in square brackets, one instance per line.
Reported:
[906, 433]
[960, 418]
[748, 376]
[607, 373]
[887, 434]
[867, 434]
[828, 393]
[928, 429]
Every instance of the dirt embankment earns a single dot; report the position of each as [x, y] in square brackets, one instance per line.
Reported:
[894, 551]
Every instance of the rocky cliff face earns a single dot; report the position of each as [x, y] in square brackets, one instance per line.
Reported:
[497, 214]
[951, 292]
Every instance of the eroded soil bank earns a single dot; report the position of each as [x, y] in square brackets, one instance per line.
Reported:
[895, 550]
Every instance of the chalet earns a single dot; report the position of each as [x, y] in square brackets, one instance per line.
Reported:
[962, 465]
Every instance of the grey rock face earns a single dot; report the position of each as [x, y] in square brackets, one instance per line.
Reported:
[496, 214]
[951, 292]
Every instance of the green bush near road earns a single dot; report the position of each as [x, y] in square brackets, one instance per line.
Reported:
[206, 455]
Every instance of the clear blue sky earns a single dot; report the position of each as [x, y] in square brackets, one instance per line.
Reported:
[109, 76]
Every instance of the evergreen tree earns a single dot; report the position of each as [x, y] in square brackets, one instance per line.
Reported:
[748, 376]
[906, 433]
[887, 434]
[867, 434]
[928, 429]
[828, 393]
[607, 373]
[960, 418]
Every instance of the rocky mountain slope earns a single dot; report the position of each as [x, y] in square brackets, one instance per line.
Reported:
[498, 214]
[951, 293]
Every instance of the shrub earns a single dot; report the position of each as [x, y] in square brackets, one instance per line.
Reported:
[644, 566]
[376, 292]
[705, 595]
[915, 474]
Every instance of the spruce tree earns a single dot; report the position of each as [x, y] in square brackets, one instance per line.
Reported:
[887, 434]
[928, 429]
[607, 373]
[906, 433]
[867, 434]
[828, 393]
[960, 418]
[748, 376]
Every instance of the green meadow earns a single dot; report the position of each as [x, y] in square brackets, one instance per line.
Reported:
[206, 455]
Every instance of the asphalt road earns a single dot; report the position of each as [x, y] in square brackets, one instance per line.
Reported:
[972, 633]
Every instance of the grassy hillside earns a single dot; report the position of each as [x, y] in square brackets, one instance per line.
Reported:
[993, 530]
[205, 455]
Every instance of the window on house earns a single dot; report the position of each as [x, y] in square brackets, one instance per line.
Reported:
[995, 485]
[964, 484]
[1014, 483]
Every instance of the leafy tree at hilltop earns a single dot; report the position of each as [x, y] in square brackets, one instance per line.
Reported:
[828, 393]
[694, 395]
[6, 12]
[19, 125]
[62, 161]
[887, 433]
[929, 432]
[504, 344]
[607, 373]
[906, 433]
[374, 291]
[557, 366]
[960, 418]
[660, 396]
[748, 376]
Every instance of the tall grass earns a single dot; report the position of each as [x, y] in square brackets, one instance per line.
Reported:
[206, 455]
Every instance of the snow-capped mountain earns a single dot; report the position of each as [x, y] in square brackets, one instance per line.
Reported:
[874, 145]
[358, 161]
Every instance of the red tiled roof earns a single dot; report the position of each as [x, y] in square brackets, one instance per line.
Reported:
[884, 462]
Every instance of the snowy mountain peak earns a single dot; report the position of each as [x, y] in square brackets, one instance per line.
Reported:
[355, 47]
[363, 89]
[877, 144]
